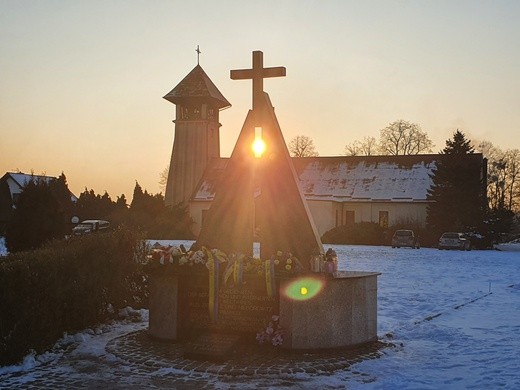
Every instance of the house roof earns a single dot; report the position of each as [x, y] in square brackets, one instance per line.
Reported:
[197, 87]
[349, 178]
[22, 179]
[205, 189]
[19, 180]
[366, 178]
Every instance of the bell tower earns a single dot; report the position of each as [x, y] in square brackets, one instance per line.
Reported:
[197, 133]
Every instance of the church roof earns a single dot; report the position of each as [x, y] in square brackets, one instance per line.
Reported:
[349, 178]
[197, 87]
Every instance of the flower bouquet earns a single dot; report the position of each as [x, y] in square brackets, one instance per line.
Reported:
[272, 334]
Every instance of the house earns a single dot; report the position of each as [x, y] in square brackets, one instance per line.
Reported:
[12, 185]
[344, 190]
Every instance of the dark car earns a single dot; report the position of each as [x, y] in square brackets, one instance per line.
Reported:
[452, 240]
[405, 238]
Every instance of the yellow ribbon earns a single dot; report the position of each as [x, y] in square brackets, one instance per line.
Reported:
[213, 286]
[269, 276]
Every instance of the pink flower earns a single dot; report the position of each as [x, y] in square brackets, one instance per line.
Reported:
[277, 339]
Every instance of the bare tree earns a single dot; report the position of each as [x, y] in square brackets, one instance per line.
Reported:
[163, 178]
[367, 147]
[302, 146]
[353, 148]
[403, 138]
[503, 186]
[512, 158]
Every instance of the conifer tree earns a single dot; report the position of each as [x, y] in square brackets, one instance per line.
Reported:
[457, 189]
[37, 218]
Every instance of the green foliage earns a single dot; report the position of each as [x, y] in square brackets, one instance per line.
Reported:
[45, 209]
[147, 212]
[362, 233]
[457, 189]
[40, 216]
[67, 286]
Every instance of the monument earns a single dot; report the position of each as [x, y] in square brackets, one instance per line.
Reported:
[219, 291]
[260, 191]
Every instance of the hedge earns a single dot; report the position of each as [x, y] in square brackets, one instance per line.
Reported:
[67, 286]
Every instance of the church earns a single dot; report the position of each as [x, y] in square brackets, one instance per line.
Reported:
[339, 190]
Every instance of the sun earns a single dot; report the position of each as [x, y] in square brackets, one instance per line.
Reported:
[258, 147]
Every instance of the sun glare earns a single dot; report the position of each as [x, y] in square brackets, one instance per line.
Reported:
[258, 144]
[258, 147]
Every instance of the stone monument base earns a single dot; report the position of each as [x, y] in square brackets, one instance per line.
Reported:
[342, 314]
[163, 306]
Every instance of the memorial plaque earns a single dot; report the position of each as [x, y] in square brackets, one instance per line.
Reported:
[212, 346]
[244, 309]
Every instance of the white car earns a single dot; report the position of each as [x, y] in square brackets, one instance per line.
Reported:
[452, 240]
[90, 226]
[405, 238]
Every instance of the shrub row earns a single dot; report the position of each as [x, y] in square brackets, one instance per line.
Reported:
[67, 286]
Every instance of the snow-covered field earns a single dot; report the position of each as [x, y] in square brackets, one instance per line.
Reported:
[454, 317]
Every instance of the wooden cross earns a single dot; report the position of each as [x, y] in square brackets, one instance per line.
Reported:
[257, 74]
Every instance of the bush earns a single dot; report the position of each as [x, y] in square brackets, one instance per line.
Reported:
[362, 233]
[67, 286]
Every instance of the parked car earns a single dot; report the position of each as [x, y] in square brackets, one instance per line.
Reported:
[452, 240]
[90, 226]
[405, 238]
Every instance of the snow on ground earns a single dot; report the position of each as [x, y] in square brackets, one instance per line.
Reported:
[3, 249]
[474, 341]
[453, 316]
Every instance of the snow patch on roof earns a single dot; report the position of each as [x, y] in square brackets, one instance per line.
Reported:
[366, 180]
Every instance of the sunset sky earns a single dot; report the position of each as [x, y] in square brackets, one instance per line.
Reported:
[81, 82]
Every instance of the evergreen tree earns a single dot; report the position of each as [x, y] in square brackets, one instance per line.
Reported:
[93, 206]
[121, 202]
[63, 196]
[457, 189]
[148, 212]
[137, 198]
[38, 217]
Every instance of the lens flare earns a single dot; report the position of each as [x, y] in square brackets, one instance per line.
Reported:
[258, 147]
[303, 288]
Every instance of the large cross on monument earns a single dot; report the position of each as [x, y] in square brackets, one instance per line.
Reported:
[260, 193]
[257, 74]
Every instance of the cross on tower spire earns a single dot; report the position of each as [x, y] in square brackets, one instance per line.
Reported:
[198, 54]
[257, 74]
